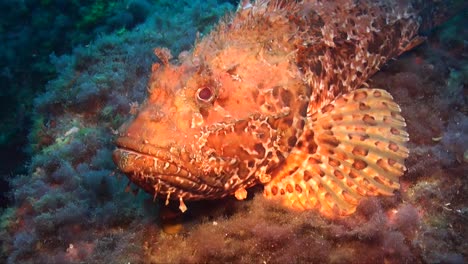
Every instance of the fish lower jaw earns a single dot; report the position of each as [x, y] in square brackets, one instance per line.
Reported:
[164, 178]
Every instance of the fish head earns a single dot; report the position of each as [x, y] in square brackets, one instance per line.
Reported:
[211, 125]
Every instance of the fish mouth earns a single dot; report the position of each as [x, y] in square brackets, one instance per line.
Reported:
[137, 147]
[158, 171]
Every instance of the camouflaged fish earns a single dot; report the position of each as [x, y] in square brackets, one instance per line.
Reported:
[274, 96]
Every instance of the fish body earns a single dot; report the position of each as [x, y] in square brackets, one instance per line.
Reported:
[273, 97]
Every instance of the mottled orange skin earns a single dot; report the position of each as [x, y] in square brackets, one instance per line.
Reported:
[267, 72]
[258, 93]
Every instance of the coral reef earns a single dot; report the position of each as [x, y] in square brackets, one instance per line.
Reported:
[72, 206]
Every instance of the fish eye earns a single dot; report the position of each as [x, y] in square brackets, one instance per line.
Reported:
[205, 94]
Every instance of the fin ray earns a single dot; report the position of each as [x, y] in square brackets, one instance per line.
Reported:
[354, 147]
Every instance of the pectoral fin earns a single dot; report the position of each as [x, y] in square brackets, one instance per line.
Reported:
[353, 147]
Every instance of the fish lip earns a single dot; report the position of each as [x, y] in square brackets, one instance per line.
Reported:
[133, 145]
[122, 152]
[171, 182]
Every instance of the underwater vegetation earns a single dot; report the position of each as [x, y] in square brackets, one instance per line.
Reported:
[29, 32]
[32, 31]
[72, 205]
[68, 184]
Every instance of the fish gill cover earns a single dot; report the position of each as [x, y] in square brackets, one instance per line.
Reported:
[73, 206]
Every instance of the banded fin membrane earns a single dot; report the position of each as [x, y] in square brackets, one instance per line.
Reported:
[354, 147]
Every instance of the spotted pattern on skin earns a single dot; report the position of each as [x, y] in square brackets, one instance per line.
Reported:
[347, 165]
[270, 97]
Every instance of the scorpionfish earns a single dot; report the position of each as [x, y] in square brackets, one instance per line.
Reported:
[276, 95]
